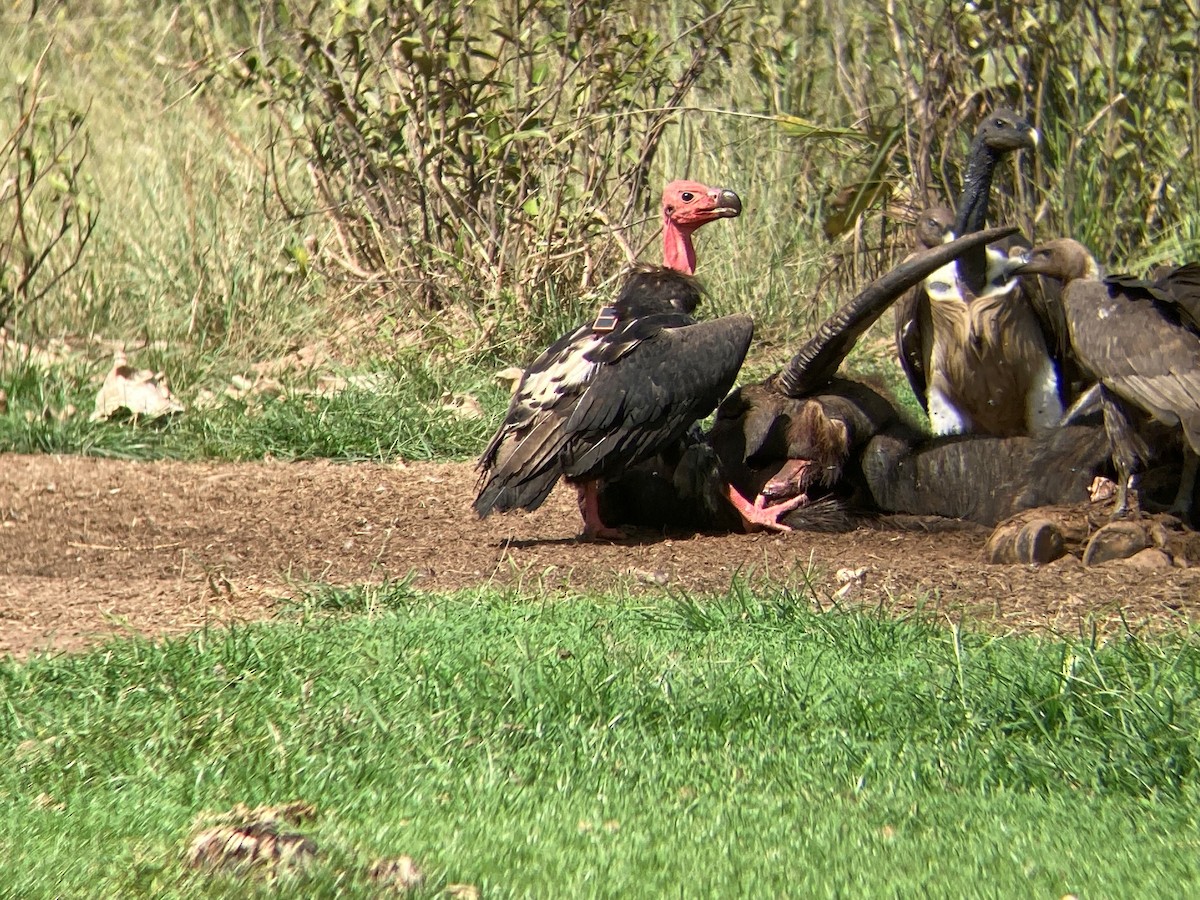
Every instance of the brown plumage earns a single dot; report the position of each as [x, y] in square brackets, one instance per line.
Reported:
[1141, 342]
[972, 343]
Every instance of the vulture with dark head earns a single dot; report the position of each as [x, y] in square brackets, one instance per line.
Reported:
[972, 343]
[1141, 342]
[617, 391]
[934, 226]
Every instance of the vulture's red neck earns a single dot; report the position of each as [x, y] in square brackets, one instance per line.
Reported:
[678, 252]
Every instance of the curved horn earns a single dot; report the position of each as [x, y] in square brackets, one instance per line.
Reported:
[818, 360]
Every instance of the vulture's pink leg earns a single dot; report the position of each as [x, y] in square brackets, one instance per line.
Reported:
[589, 508]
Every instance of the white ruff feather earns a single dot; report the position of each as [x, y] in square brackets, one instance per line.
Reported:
[1043, 407]
[944, 418]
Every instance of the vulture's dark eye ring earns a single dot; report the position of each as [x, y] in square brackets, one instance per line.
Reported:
[687, 196]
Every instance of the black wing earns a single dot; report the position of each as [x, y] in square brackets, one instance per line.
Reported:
[1136, 351]
[912, 324]
[1175, 291]
[604, 402]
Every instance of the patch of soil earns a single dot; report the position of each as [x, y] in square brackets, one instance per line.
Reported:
[92, 547]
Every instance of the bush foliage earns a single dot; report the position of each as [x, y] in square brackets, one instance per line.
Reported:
[47, 213]
[500, 160]
[462, 151]
[470, 150]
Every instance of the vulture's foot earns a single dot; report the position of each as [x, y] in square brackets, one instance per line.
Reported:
[602, 533]
[758, 516]
[1181, 507]
[594, 528]
[1128, 506]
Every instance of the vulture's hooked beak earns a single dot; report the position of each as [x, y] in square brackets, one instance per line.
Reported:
[726, 204]
[1023, 263]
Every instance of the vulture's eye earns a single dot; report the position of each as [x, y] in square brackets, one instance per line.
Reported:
[687, 196]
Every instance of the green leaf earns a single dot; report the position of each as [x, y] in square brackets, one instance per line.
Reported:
[806, 130]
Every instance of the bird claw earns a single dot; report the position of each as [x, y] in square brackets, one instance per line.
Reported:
[603, 533]
[759, 516]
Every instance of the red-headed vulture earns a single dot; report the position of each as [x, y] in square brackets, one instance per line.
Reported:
[618, 390]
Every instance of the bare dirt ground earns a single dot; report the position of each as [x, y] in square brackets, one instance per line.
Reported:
[91, 548]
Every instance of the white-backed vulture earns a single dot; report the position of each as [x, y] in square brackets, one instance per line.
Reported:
[972, 344]
[617, 391]
[1141, 342]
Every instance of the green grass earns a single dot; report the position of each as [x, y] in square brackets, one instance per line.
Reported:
[741, 745]
[403, 415]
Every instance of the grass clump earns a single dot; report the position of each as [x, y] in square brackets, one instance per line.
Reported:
[741, 744]
[412, 407]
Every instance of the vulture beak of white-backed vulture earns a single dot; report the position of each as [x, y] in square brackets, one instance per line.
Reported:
[977, 351]
[1141, 341]
[619, 390]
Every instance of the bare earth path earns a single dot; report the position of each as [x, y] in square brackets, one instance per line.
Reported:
[92, 547]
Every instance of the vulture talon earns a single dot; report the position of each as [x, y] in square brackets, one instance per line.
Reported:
[603, 533]
[757, 516]
[594, 528]
[1128, 503]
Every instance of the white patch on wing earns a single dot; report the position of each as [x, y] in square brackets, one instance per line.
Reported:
[944, 417]
[568, 373]
[1043, 408]
[942, 284]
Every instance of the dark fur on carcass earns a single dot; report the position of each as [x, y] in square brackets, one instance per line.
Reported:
[757, 427]
[979, 478]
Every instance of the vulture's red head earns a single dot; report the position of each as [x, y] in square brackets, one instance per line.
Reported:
[687, 205]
